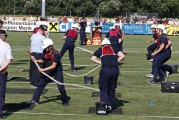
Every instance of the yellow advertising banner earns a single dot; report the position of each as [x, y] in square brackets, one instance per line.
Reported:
[53, 26]
[172, 30]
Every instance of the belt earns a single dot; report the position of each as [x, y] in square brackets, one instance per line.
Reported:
[35, 53]
[4, 72]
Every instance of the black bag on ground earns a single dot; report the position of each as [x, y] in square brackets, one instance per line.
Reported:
[171, 87]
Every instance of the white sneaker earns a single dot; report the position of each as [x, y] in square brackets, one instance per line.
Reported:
[151, 60]
[166, 76]
[150, 75]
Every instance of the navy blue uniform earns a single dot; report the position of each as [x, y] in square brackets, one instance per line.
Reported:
[3, 81]
[34, 73]
[114, 36]
[161, 58]
[108, 74]
[69, 45]
[153, 46]
[49, 59]
[83, 32]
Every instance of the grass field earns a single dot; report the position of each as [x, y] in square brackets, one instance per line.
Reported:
[139, 101]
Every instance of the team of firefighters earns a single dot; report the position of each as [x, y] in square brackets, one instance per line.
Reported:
[108, 56]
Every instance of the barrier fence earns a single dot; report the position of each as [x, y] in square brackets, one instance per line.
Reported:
[63, 27]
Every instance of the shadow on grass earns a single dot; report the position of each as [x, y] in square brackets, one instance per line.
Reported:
[10, 108]
[55, 99]
[119, 103]
[18, 79]
[19, 62]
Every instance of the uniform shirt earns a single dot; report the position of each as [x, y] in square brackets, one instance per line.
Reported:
[108, 56]
[155, 35]
[118, 30]
[36, 43]
[5, 52]
[50, 58]
[163, 40]
[83, 25]
[113, 38]
[71, 35]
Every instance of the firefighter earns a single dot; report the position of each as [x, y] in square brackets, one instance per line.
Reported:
[152, 47]
[83, 25]
[5, 60]
[115, 39]
[70, 37]
[36, 50]
[161, 55]
[52, 67]
[109, 72]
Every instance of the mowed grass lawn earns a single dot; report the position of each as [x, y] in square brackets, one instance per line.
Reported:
[139, 101]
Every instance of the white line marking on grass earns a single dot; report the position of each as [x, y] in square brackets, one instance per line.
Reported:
[53, 114]
[56, 114]
[85, 50]
[166, 117]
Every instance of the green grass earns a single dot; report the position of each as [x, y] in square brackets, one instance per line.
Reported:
[143, 99]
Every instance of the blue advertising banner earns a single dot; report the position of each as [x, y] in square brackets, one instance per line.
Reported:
[137, 29]
[128, 28]
[63, 27]
[106, 26]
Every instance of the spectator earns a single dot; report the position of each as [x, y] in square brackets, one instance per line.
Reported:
[98, 22]
[70, 19]
[176, 22]
[37, 18]
[76, 19]
[4, 17]
[59, 19]
[46, 19]
[65, 19]
[105, 20]
[31, 17]
[11, 18]
[171, 22]
[24, 19]
[52, 19]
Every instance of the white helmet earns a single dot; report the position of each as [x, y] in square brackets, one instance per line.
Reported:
[43, 23]
[162, 27]
[153, 26]
[75, 26]
[116, 24]
[47, 42]
[106, 41]
[165, 31]
[112, 28]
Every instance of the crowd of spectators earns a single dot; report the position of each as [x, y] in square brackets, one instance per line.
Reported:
[118, 19]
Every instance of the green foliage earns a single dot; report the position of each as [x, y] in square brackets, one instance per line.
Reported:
[165, 8]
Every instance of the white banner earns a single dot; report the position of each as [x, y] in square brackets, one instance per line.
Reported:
[19, 25]
[30, 25]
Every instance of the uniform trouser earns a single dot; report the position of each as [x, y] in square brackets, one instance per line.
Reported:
[34, 73]
[44, 81]
[151, 48]
[3, 81]
[121, 46]
[157, 66]
[107, 84]
[117, 46]
[82, 37]
[70, 48]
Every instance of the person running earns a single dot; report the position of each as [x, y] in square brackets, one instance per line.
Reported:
[70, 37]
